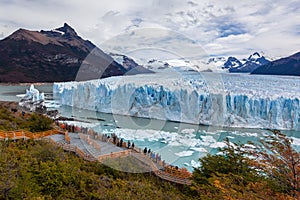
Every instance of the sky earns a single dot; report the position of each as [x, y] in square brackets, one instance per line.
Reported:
[186, 28]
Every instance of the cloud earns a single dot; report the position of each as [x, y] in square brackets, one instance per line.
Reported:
[218, 27]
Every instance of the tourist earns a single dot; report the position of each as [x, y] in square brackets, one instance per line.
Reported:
[129, 144]
[121, 142]
[145, 150]
[153, 156]
[114, 138]
[132, 145]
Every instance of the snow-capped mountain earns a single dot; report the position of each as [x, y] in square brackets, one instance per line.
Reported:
[157, 64]
[233, 64]
[129, 64]
[214, 64]
[246, 65]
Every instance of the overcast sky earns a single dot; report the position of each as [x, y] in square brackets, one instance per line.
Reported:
[218, 27]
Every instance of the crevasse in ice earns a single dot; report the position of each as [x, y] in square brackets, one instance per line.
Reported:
[230, 100]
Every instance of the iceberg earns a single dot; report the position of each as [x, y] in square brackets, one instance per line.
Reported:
[33, 99]
[33, 95]
[226, 100]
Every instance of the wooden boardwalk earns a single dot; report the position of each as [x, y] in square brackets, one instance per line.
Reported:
[93, 150]
[21, 134]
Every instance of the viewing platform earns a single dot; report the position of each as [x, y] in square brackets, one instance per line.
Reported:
[96, 147]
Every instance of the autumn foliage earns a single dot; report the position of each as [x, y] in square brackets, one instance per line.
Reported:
[270, 170]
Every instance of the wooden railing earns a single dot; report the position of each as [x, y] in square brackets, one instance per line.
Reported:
[174, 176]
[22, 134]
[114, 155]
[73, 148]
[67, 138]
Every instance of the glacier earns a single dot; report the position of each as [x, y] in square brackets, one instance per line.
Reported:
[226, 100]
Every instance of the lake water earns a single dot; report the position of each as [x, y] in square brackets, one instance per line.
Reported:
[180, 144]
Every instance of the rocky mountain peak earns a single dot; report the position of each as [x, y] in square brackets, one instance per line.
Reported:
[254, 55]
[67, 29]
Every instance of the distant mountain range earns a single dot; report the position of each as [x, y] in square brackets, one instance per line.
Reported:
[246, 65]
[61, 55]
[284, 66]
[56, 55]
[215, 64]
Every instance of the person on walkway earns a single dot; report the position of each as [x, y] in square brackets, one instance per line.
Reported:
[121, 142]
[145, 150]
[132, 145]
[153, 156]
[114, 138]
[129, 144]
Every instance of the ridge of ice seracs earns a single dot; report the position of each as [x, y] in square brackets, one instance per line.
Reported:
[33, 95]
[231, 100]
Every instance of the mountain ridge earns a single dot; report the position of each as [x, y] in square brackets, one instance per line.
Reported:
[52, 56]
[284, 66]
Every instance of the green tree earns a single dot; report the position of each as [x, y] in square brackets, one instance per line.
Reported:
[39, 123]
[229, 175]
[8, 169]
[234, 160]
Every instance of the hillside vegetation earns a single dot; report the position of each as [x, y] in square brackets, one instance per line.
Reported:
[12, 118]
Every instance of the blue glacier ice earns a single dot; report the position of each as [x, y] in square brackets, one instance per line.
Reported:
[229, 100]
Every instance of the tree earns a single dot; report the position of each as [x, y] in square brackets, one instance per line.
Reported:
[39, 123]
[230, 175]
[8, 169]
[233, 161]
[277, 159]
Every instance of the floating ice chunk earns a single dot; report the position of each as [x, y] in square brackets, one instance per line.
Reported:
[208, 139]
[250, 146]
[184, 153]
[79, 124]
[199, 149]
[296, 141]
[218, 145]
[230, 137]
[188, 131]
[195, 164]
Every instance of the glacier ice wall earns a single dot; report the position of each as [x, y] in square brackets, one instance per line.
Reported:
[211, 99]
